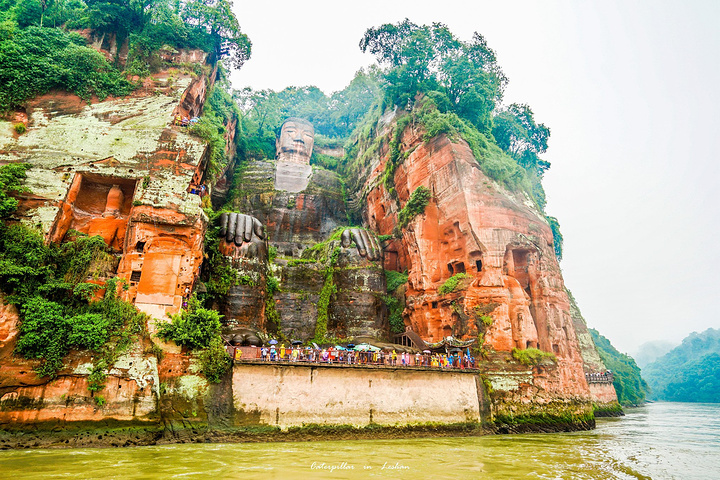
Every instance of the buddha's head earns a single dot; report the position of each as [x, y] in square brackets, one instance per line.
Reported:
[295, 144]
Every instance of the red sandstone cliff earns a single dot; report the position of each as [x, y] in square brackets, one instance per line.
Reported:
[473, 225]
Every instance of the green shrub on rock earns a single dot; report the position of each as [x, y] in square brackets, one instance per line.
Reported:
[194, 328]
[451, 284]
[532, 356]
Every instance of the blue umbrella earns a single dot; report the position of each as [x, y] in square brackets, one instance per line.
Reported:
[273, 342]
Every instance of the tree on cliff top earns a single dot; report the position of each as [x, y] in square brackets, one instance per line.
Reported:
[34, 59]
[428, 58]
[219, 21]
[516, 132]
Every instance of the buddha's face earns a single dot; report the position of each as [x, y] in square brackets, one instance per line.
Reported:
[296, 141]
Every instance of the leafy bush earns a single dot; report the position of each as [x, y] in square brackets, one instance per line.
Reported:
[194, 328]
[397, 324]
[11, 179]
[532, 356]
[43, 333]
[452, 283]
[219, 110]
[395, 279]
[415, 206]
[20, 128]
[49, 330]
[89, 331]
[35, 60]
[485, 320]
[272, 285]
[325, 161]
[557, 236]
[214, 360]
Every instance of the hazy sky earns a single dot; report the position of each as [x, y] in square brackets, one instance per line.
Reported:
[630, 92]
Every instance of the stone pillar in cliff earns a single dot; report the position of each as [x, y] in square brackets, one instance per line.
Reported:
[243, 240]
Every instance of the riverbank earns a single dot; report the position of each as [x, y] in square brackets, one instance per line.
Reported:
[138, 436]
[287, 402]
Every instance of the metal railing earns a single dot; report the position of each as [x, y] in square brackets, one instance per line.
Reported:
[600, 377]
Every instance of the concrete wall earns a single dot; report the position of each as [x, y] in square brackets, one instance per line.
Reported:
[292, 395]
[602, 393]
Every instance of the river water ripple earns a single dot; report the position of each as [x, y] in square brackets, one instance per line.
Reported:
[658, 441]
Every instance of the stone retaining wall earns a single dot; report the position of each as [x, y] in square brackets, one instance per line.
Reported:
[293, 395]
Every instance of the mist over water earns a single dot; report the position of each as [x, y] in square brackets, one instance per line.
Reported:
[659, 441]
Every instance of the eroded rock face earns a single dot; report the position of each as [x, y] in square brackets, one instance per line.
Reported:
[121, 171]
[473, 226]
[130, 394]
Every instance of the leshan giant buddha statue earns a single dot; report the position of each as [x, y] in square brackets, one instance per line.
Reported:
[294, 147]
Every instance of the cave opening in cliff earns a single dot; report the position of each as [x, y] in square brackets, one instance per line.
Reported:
[478, 265]
[450, 268]
[96, 205]
[95, 190]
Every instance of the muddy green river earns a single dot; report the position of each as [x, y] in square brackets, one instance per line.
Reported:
[659, 441]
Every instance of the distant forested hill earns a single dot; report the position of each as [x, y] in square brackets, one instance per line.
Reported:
[629, 385]
[648, 352]
[688, 373]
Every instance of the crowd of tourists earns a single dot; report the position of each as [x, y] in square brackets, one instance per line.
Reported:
[600, 377]
[343, 356]
[183, 121]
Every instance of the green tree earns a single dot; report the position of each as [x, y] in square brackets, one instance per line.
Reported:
[218, 19]
[194, 327]
[34, 60]
[421, 59]
[516, 132]
[121, 17]
[11, 181]
[348, 106]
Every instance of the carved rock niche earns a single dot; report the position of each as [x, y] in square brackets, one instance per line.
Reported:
[97, 205]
